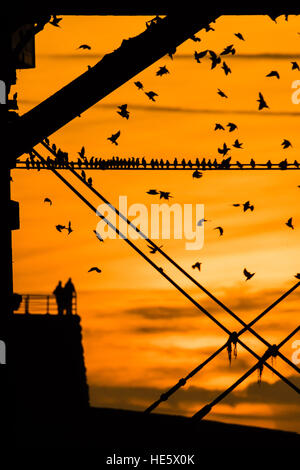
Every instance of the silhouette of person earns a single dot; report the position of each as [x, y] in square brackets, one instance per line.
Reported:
[69, 291]
[59, 295]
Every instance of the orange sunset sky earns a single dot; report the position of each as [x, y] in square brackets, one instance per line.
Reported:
[141, 335]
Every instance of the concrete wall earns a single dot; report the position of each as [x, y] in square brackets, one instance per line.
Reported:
[48, 384]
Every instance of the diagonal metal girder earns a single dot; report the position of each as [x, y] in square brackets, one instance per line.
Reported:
[112, 71]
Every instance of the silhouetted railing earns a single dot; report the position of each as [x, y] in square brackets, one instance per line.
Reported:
[42, 303]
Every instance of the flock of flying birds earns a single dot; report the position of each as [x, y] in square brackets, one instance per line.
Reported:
[216, 59]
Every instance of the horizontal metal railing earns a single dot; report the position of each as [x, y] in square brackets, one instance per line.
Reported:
[42, 304]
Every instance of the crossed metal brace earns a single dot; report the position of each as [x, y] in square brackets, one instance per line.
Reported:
[233, 336]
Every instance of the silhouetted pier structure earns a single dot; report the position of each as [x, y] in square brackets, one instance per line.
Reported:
[47, 372]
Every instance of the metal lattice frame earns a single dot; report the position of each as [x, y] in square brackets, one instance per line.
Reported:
[233, 336]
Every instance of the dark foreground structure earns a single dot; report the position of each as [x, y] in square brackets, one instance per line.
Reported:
[50, 402]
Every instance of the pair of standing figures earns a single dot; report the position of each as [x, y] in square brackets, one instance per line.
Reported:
[64, 297]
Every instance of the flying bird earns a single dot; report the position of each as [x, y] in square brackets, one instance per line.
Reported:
[48, 200]
[197, 265]
[139, 85]
[219, 127]
[82, 152]
[123, 111]
[286, 143]
[295, 66]
[154, 249]
[94, 268]
[164, 195]
[289, 223]
[197, 174]
[195, 38]
[228, 50]
[221, 93]
[55, 21]
[231, 126]
[113, 138]
[221, 230]
[261, 101]
[297, 276]
[69, 228]
[226, 69]
[200, 222]
[162, 71]
[247, 206]
[152, 192]
[199, 55]
[84, 46]
[247, 274]
[273, 73]
[237, 144]
[239, 36]
[60, 227]
[224, 149]
[215, 59]
[151, 95]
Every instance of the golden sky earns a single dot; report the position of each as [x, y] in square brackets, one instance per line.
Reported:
[140, 334]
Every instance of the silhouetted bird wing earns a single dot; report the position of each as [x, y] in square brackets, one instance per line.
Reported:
[273, 73]
[84, 46]
[221, 230]
[231, 126]
[162, 71]
[152, 192]
[239, 36]
[55, 21]
[139, 85]
[261, 101]
[97, 270]
[219, 127]
[248, 274]
[286, 143]
[289, 223]
[197, 265]
[48, 200]
[222, 94]
[295, 66]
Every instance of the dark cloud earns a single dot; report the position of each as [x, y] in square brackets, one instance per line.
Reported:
[138, 398]
[265, 55]
[79, 55]
[176, 109]
[163, 313]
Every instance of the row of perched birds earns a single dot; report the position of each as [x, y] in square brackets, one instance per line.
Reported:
[62, 161]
